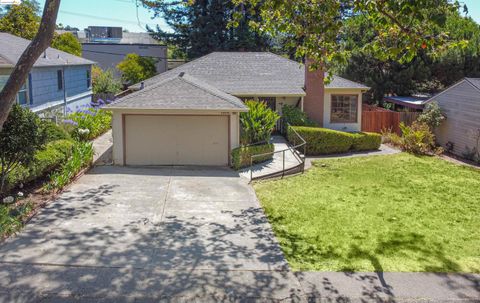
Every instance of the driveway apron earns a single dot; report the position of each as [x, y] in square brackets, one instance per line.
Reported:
[148, 233]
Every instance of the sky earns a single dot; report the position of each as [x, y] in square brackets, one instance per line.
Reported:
[82, 13]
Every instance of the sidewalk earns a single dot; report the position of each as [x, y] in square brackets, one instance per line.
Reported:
[103, 147]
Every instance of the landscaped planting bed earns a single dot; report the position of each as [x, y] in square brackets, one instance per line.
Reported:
[241, 156]
[380, 213]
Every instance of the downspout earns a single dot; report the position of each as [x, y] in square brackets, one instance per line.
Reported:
[301, 103]
[64, 93]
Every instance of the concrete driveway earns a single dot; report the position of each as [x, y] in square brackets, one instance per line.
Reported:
[148, 233]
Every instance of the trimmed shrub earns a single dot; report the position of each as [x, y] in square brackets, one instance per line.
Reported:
[322, 141]
[45, 161]
[241, 155]
[295, 116]
[366, 141]
[53, 132]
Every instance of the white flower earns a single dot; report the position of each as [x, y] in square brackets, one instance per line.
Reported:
[8, 199]
[20, 194]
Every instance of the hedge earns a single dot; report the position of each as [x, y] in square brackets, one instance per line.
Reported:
[46, 160]
[241, 155]
[366, 141]
[321, 141]
[53, 132]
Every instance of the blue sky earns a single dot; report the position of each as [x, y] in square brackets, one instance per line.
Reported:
[82, 13]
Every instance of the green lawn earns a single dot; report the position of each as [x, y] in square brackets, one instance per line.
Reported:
[379, 213]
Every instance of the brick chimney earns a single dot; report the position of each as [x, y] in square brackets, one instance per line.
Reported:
[315, 90]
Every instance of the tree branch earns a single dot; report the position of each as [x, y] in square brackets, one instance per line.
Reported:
[38, 45]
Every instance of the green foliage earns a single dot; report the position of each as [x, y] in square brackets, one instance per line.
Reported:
[473, 153]
[96, 121]
[432, 115]
[44, 162]
[21, 20]
[241, 156]
[20, 138]
[67, 42]
[136, 69]
[392, 213]
[201, 27]
[12, 218]
[82, 156]
[53, 131]
[322, 140]
[366, 141]
[295, 116]
[104, 82]
[416, 139]
[258, 123]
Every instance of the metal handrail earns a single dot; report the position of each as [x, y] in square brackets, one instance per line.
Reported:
[293, 149]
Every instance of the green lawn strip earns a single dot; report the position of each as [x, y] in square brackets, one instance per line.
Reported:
[381, 213]
[12, 217]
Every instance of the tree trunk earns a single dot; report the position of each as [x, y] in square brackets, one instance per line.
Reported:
[38, 45]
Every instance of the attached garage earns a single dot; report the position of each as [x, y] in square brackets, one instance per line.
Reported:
[180, 121]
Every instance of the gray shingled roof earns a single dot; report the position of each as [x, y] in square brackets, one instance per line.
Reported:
[180, 91]
[248, 73]
[12, 47]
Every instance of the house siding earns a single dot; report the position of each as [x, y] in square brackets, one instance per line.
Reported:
[461, 106]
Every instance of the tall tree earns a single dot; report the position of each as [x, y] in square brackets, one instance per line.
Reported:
[39, 44]
[21, 20]
[202, 26]
[135, 68]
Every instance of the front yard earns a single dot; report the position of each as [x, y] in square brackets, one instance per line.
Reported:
[381, 213]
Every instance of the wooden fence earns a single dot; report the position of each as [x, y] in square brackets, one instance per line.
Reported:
[379, 120]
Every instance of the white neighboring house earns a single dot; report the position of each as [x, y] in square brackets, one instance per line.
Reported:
[460, 103]
[190, 114]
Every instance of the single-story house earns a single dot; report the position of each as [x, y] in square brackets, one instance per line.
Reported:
[57, 81]
[407, 103]
[460, 103]
[190, 114]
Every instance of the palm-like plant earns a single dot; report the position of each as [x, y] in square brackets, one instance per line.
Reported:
[258, 123]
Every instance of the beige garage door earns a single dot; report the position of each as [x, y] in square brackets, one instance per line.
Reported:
[176, 140]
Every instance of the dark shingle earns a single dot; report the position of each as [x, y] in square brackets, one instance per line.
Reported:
[12, 47]
[180, 92]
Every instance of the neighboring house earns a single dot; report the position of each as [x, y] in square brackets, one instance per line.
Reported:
[57, 81]
[190, 114]
[407, 103]
[109, 45]
[460, 103]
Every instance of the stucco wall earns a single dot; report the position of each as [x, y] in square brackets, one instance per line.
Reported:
[350, 127]
[117, 130]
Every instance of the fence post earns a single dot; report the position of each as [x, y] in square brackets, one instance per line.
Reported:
[251, 168]
[283, 170]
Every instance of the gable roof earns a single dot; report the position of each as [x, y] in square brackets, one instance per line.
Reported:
[474, 82]
[250, 73]
[181, 91]
[12, 47]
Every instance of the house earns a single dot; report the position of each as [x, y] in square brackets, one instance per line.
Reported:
[109, 45]
[57, 81]
[460, 103]
[190, 115]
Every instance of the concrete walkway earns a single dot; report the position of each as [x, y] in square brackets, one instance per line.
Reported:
[275, 164]
[103, 147]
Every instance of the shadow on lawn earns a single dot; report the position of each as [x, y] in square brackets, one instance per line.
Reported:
[137, 258]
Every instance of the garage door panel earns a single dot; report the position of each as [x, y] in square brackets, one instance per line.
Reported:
[176, 140]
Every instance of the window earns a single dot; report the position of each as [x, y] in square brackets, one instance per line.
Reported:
[344, 109]
[60, 79]
[89, 79]
[270, 101]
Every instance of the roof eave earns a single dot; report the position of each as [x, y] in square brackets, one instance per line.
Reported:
[176, 109]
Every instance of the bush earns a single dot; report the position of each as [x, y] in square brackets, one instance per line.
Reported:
[322, 141]
[45, 161]
[104, 82]
[54, 132]
[96, 121]
[258, 123]
[366, 141]
[416, 139]
[20, 138]
[432, 115]
[82, 157]
[295, 117]
[241, 155]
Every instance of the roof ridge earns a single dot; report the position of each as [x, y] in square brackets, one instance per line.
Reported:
[207, 89]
